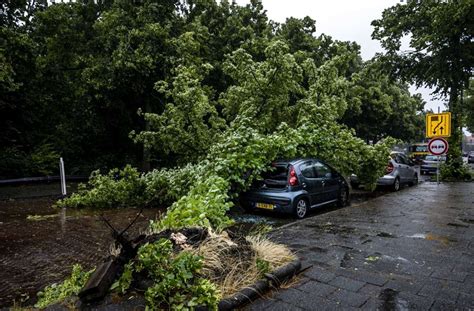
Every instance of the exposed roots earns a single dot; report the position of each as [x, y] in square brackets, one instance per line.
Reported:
[231, 264]
[115, 249]
[275, 254]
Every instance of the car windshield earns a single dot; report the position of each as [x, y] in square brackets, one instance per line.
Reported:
[419, 148]
[277, 177]
[434, 158]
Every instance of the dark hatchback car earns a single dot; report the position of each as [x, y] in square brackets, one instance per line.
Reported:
[296, 186]
[470, 157]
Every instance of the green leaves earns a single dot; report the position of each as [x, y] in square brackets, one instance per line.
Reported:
[177, 284]
[381, 107]
[441, 53]
[125, 280]
[56, 293]
[119, 188]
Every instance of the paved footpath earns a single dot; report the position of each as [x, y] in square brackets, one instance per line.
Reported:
[410, 250]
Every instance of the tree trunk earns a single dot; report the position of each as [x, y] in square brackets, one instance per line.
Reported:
[454, 152]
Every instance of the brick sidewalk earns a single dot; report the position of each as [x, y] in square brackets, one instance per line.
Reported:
[407, 250]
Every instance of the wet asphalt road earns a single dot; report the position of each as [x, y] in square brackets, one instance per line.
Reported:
[411, 250]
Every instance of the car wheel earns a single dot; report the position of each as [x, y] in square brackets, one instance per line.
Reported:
[415, 180]
[355, 185]
[396, 184]
[343, 199]
[301, 208]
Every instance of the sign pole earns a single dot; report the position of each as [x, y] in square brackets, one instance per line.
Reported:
[62, 176]
[437, 171]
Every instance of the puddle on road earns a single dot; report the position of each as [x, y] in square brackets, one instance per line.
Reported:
[245, 223]
[390, 300]
[386, 235]
[417, 236]
[331, 228]
[431, 237]
[390, 258]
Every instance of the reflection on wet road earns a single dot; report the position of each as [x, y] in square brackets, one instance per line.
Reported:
[410, 250]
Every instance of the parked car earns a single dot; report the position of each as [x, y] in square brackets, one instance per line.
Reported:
[470, 157]
[430, 164]
[417, 152]
[400, 170]
[297, 186]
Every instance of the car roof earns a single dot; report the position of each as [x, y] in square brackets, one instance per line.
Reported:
[293, 161]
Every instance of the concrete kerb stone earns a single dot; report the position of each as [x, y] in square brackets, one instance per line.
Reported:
[272, 281]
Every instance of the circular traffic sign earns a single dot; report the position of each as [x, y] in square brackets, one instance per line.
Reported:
[438, 146]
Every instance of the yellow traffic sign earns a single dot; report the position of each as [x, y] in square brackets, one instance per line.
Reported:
[438, 124]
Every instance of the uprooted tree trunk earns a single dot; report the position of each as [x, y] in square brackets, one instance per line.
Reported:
[99, 283]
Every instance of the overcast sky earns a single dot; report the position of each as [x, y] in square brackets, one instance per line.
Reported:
[346, 20]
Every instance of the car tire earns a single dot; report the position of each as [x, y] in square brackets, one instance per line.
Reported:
[396, 184]
[301, 208]
[414, 182]
[343, 199]
[245, 206]
[355, 185]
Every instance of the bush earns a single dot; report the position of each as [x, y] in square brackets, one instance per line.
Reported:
[44, 160]
[13, 163]
[56, 293]
[177, 284]
[455, 171]
[118, 188]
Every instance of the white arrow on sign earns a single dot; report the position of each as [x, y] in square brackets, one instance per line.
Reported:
[438, 146]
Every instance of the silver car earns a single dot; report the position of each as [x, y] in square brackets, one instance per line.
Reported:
[430, 164]
[400, 170]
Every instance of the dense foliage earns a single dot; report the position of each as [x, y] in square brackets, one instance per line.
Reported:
[468, 106]
[265, 124]
[73, 76]
[56, 293]
[177, 285]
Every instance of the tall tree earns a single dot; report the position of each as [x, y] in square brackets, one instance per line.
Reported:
[441, 53]
[381, 107]
[468, 107]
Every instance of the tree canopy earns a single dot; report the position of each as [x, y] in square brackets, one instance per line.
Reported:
[74, 75]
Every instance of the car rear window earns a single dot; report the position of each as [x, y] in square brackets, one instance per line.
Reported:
[277, 177]
[434, 158]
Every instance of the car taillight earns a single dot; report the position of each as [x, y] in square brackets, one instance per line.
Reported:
[389, 168]
[293, 181]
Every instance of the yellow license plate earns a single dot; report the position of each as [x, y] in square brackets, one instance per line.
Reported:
[265, 205]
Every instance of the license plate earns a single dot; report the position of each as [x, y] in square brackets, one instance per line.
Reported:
[265, 205]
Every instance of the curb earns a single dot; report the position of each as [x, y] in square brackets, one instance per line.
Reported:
[46, 179]
[251, 293]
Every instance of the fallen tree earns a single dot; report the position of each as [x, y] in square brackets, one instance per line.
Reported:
[264, 124]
